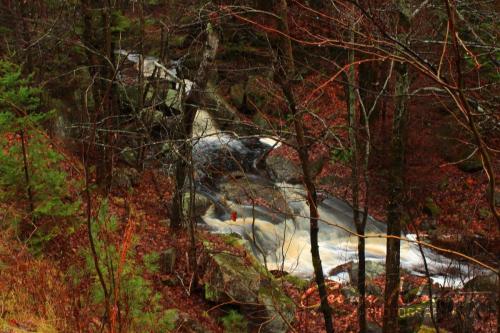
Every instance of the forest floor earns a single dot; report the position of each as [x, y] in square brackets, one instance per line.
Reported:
[41, 298]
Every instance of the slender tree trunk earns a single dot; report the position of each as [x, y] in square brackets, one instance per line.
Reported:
[286, 63]
[26, 36]
[98, 40]
[355, 170]
[396, 199]
[140, 80]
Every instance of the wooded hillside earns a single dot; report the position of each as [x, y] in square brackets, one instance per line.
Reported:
[249, 166]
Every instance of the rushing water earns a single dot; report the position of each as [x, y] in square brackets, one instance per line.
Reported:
[273, 217]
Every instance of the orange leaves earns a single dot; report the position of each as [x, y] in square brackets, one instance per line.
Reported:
[470, 181]
[333, 289]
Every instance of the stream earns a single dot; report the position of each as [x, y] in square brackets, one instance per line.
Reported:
[274, 217]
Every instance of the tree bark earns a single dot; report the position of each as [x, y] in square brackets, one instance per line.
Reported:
[286, 74]
[396, 199]
[355, 171]
[99, 48]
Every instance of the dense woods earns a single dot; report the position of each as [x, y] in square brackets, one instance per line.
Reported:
[249, 166]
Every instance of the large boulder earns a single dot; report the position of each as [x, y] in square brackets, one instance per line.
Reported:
[281, 169]
[483, 283]
[125, 178]
[201, 204]
[260, 94]
[232, 278]
[372, 269]
[244, 189]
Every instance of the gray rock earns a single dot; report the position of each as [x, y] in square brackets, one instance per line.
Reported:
[230, 278]
[260, 92]
[486, 282]
[125, 178]
[344, 268]
[372, 269]
[201, 204]
[129, 156]
[242, 189]
[167, 261]
[283, 170]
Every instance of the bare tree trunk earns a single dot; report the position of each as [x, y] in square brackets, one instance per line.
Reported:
[396, 199]
[285, 55]
[140, 80]
[355, 170]
[99, 48]
[93, 249]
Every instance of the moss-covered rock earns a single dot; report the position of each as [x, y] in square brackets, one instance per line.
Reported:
[126, 178]
[297, 281]
[234, 322]
[201, 204]
[280, 309]
[232, 278]
[428, 329]
[177, 41]
[129, 155]
[372, 269]
[411, 318]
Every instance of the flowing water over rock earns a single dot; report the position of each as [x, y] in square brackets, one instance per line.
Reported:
[273, 216]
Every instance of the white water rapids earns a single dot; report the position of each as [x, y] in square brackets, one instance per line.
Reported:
[281, 227]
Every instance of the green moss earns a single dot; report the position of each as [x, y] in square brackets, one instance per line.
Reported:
[177, 41]
[233, 239]
[427, 329]
[211, 293]
[234, 322]
[296, 281]
[431, 208]
[169, 319]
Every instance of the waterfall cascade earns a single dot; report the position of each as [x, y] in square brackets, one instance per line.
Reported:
[273, 217]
